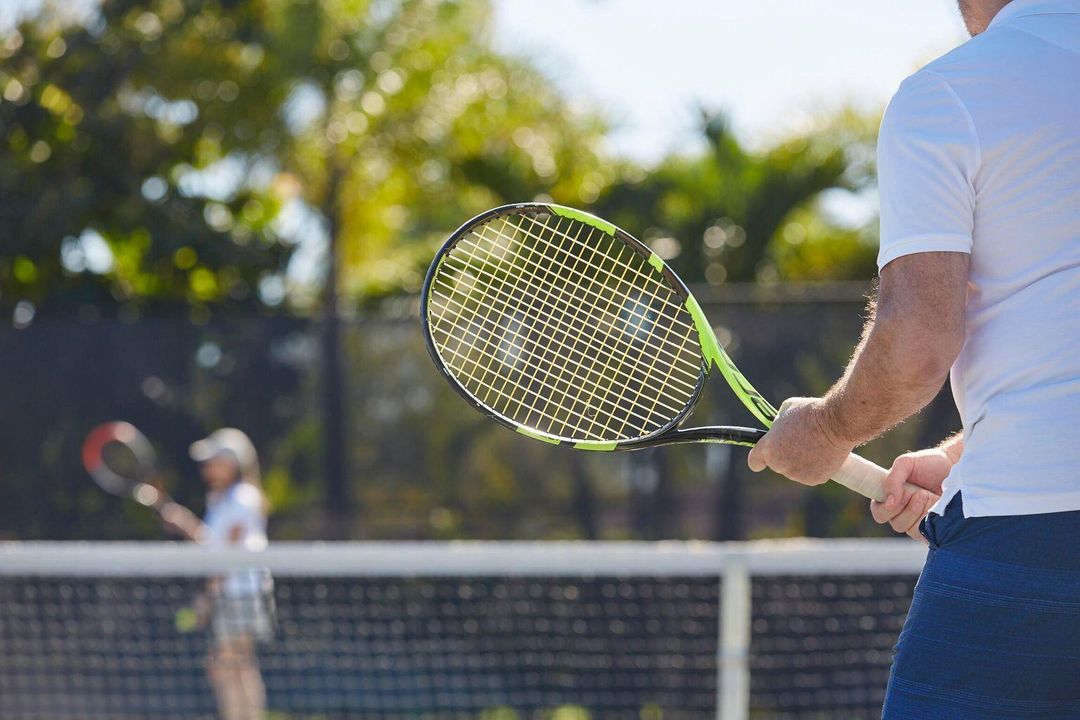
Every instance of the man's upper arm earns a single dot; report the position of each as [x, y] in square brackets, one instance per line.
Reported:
[923, 297]
[928, 158]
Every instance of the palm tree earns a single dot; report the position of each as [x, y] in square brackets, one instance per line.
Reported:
[713, 215]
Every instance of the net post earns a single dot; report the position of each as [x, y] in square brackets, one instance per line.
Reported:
[733, 663]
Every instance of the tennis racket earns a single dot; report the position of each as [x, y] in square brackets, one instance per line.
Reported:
[122, 462]
[567, 329]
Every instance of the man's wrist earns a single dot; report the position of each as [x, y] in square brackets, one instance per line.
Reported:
[831, 424]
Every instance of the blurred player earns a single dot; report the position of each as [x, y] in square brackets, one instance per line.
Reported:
[237, 606]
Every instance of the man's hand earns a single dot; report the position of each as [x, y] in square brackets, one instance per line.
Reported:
[923, 472]
[800, 444]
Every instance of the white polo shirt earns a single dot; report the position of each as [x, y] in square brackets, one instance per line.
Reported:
[240, 507]
[979, 153]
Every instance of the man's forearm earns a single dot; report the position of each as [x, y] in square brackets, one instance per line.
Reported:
[887, 381]
[915, 332]
[953, 447]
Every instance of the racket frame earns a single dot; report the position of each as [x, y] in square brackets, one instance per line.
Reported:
[138, 488]
[713, 355]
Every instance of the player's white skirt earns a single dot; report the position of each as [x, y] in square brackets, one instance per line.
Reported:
[244, 616]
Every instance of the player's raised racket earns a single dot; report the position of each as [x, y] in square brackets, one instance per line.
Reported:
[568, 330]
[122, 462]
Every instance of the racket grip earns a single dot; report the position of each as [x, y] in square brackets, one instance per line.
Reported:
[862, 476]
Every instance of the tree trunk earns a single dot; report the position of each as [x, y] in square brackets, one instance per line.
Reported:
[339, 511]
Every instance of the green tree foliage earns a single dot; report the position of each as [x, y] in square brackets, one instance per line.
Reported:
[154, 154]
[173, 133]
[731, 215]
[190, 152]
[414, 124]
[104, 129]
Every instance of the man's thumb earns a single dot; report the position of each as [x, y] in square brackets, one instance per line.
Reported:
[899, 473]
[755, 460]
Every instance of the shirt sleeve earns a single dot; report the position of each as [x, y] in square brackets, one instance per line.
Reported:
[928, 154]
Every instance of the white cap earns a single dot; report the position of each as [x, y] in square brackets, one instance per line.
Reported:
[226, 441]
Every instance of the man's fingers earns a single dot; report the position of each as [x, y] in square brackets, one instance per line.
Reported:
[913, 531]
[893, 504]
[899, 473]
[914, 534]
[905, 504]
[907, 517]
[756, 458]
[908, 512]
[883, 513]
[929, 499]
[914, 510]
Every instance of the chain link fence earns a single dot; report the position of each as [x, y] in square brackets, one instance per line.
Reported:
[418, 463]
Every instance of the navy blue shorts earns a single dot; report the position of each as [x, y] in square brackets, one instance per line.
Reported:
[994, 627]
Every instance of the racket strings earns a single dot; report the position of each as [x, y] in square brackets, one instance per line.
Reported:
[483, 375]
[119, 467]
[564, 330]
[529, 404]
[620, 401]
[550, 355]
[478, 335]
[594, 297]
[578, 416]
[608, 320]
[644, 280]
[591, 394]
[611, 316]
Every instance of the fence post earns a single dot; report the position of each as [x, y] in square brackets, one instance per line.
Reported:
[733, 663]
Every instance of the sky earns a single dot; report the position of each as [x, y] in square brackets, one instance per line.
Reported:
[772, 65]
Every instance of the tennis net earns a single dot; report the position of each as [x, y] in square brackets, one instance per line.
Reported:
[499, 631]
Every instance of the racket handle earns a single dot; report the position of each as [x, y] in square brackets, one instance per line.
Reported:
[862, 476]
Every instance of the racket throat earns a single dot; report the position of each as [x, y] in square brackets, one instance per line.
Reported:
[715, 357]
[710, 434]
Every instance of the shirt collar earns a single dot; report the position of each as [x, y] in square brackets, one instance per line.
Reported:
[1022, 8]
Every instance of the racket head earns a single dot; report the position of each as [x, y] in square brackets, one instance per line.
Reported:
[121, 460]
[563, 327]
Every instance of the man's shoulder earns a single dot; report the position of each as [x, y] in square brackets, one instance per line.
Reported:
[947, 75]
[971, 56]
[984, 54]
[922, 97]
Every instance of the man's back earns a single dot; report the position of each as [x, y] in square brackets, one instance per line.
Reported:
[998, 121]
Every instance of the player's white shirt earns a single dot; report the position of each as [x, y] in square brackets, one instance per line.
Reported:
[979, 152]
[239, 506]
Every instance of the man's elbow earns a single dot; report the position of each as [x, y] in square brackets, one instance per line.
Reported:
[923, 351]
[933, 363]
[920, 312]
